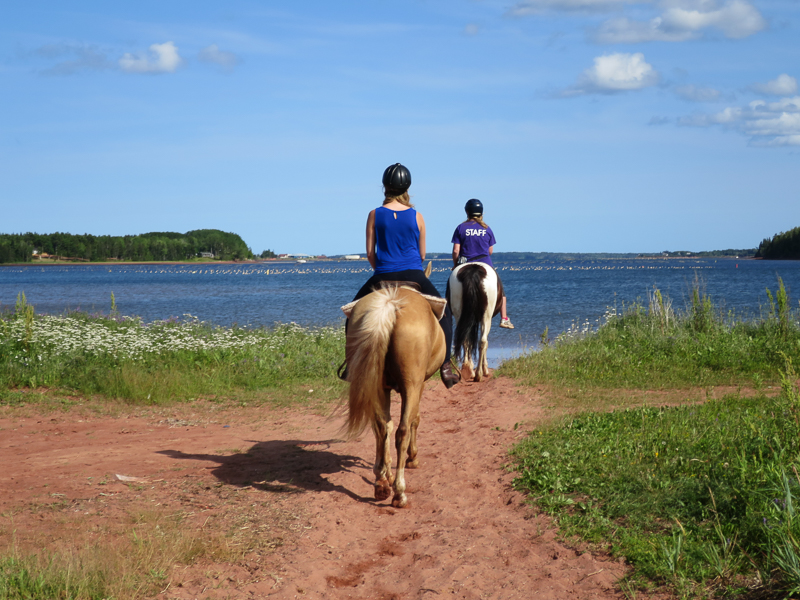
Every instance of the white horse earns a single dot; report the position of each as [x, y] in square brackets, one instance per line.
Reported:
[475, 296]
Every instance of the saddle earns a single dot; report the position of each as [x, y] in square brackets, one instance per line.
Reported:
[437, 305]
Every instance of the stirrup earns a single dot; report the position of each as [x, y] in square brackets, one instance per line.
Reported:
[341, 372]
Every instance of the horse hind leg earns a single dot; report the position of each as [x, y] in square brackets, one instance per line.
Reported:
[483, 361]
[383, 426]
[467, 370]
[483, 365]
[410, 413]
[413, 461]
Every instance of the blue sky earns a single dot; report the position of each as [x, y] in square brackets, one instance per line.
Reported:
[583, 125]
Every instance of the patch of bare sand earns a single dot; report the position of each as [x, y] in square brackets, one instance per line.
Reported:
[299, 500]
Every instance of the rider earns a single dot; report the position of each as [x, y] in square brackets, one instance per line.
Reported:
[473, 241]
[396, 249]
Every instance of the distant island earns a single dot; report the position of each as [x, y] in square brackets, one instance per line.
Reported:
[157, 246]
[781, 246]
[213, 244]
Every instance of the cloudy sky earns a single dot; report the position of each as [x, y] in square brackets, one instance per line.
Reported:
[583, 125]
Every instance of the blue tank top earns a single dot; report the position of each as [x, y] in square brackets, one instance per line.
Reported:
[396, 240]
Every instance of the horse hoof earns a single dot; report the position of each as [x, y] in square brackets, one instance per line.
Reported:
[412, 464]
[400, 501]
[382, 491]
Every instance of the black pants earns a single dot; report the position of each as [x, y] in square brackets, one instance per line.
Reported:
[426, 287]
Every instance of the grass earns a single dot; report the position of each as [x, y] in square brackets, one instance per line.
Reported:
[654, 347]
[700, 498]
[174, 360]
[138, 562]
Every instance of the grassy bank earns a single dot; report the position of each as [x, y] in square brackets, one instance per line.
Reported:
[652, 346]
[702, 498]
[153, 363]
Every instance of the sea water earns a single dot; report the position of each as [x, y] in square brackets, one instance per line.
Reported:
[555, 295]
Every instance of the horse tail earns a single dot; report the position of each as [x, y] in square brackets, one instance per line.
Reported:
[473, 307]
[367, 343]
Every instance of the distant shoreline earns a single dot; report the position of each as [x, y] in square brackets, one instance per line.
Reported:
[566, 256]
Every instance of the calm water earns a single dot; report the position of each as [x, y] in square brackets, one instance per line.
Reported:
[541, 294]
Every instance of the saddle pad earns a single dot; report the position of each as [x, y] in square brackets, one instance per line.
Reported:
[437, 306]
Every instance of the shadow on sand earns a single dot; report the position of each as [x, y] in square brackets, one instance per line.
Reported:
[285, 466]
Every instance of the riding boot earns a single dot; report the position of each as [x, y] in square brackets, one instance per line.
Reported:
[449, 378]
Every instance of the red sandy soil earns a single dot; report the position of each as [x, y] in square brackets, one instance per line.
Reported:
[286, 474]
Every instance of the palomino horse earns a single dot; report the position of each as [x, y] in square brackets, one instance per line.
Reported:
[394, 342]
[475, 293]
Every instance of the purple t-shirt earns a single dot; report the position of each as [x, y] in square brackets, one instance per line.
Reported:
[475, 242]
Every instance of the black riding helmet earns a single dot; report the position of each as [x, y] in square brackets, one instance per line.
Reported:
[396, 179]
[474, 208]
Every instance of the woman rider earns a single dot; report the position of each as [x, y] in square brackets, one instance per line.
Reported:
[396, 249]
[473, 241]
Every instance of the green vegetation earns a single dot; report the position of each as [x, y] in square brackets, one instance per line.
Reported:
[144, 247]
[782, 245]
[138, 564]
[121, 357]
[655, 347]
[701, 498]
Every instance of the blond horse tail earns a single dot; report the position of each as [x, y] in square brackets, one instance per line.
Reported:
[367, 343]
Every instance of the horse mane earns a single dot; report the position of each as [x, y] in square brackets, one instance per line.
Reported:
[473, 302]
[367, 343]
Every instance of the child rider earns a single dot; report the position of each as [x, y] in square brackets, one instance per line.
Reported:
[473, 241]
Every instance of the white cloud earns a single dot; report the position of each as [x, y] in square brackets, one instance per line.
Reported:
[613, 73]
[163, 58]
[694, 93]
[782, 85]
[471, 29]
[765, 123]
[212, 54]
[736, 19]
[533, 7]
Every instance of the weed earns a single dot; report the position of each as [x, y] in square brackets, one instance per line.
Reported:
[121, 357]
[660, 348]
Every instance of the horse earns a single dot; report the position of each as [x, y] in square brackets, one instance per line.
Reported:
[475, 294]
[394, 342]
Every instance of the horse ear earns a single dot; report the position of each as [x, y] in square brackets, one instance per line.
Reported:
[429, 268]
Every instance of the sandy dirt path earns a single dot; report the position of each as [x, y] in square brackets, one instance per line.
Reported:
[465, 534]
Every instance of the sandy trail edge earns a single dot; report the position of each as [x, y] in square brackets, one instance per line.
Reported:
[465, 533]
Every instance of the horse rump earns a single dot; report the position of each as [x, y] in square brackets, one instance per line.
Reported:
[473, 307]
[368, 334]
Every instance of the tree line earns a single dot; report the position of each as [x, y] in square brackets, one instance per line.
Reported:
[143, 247]
[782, 245]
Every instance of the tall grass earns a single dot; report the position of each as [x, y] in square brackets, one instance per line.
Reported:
[653, 346]
[122, 357]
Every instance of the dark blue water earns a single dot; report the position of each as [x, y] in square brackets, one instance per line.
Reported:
[540, 294]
